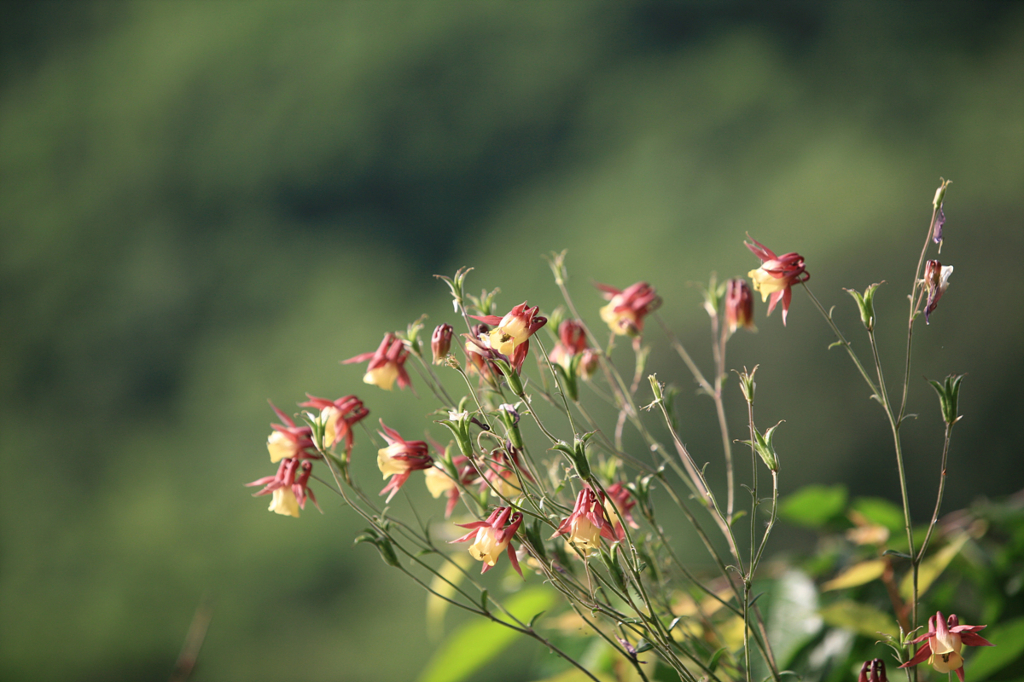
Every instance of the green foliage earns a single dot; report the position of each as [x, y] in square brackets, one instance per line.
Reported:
[475, 643]
[814, 506]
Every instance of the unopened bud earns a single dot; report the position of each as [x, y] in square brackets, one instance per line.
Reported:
[739, 305]
[936, 280]
[441, 342]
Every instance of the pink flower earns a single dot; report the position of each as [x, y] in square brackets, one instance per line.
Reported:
[288, 440]
[492, 537]
[512, 335]
[622, 499]
[387, 363]
[338, 417]
[289, 492]
[400, 458]
[945, 639]
[441, 342]
[627, 309]
[572, 340]
[587, 523]
[776, 276]
[739, 305]
[936, 280]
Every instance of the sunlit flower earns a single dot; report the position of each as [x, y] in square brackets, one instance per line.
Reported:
[479, 354]
[289, 492]
[945, 639]
[502, 472]
[739, 305]
[288, 440]
[587, 524]
[400, 458]
[627, 309]
[873, 671]
[338, 417]
[441, 342]
[776, 276]
[620, 496]
[440, 483]
[936, 280]
[572, 341]
[492, 537]
[511, 336]
[387, 363]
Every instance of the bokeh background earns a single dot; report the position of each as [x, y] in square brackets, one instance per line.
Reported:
[208, 204]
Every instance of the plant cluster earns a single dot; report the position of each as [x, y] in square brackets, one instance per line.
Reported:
[529, 470]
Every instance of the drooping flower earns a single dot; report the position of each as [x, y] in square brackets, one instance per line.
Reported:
[620, 496]
[739, 306]
[479, 354]
[338, 417]
[572, 340]
[288, 440]
[289, 492]
[439, 482]
[627, 309]
[502, 472]
[400, 458]
[873, 671]
[945, 638]
[511, 336]
[441, 342]
[586, 524]
[776, 276]
[492, 537]
[936, 280]
[387, 363]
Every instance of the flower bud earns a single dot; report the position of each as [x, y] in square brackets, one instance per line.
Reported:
[739, 305]
[441, 342]
[936, 280]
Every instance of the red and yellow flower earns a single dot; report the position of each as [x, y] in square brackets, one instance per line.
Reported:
[511, 336]
[627, 308]
[288, 440]
[943, 642]
[776, 276]
[289, 491]
[739, 306]
[492, 537]
[338, 417]
[387, 363]
[587, 523]
[399, 459]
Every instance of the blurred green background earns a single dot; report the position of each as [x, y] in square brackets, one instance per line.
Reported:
[208, 204]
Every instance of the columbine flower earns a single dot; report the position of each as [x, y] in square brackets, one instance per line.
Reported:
[441, 342]
[873, 671]
[338, 417]
[936, 279]
[289, 493]
[587, 523]
[439, 482]
[572, 340]
[627, 309]
[512, 335]
[479, 354]
[400, 458]
[502, 475]
[776, 276]
[945, 639]
[387, 363]
[739, 306]
[492, 537]
[619, 495]
[289, 440]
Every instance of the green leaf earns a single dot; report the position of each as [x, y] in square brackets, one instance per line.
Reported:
[858, 574]
[813, 506]
[860, 618]
[793, 615]
[1009, 644]
[881, 511]
[478, 641]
